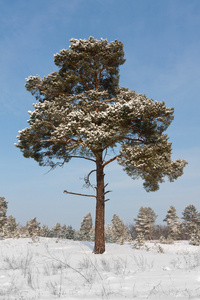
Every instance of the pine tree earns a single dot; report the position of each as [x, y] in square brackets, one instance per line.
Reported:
[172, 223]
[139, 242]
[195, 237]
[10, 227]
[56, 230]
[22, 232]
[63, 232]
[191, 220]
[11, 224]
[86, 227]
[3, 212]
[119, 230]
[44, 231]
[83, 113]
[67, 232]
[33, 227]
[145, 221]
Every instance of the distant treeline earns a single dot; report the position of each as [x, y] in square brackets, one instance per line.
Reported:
[143, 228]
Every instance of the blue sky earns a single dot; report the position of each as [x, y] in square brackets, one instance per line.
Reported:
[162, 50]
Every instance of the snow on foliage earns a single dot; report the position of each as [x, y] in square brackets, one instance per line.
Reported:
[173, 224]
[145, 221]
[191, 219]
[82, 108]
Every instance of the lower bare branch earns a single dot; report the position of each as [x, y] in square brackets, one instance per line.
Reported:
[77, 194]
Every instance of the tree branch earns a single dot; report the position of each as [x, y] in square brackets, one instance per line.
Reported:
[87, 158]
[52, 125]
[107, 100]
[110, 144]
[60, 141]
[81, 77]
[138, 140]
[107, 192]
[111, 160]
[98, 79]
[105, 185]
[77, 194]
[87, 179]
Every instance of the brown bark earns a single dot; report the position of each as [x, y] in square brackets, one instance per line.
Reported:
[99, 246]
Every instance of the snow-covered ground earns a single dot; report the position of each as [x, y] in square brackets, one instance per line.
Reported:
[50, 269]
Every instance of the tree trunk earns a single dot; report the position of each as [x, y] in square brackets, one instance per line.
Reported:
[99, 246]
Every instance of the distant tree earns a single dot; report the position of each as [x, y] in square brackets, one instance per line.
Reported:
[10, 227]
[86, 227]
[71, 232]
[44, 231]
[139, 242]
[22, 232]
[56, 230]
[191, 220]
[11, 224]
[63, 231]
[144, 223]
[120, 231]
[68, 232]
[83, 113]
[33, 227]
[195, 237]
[173, 224]
[3, 211]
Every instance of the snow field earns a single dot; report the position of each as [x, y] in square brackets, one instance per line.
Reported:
[65, 269]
